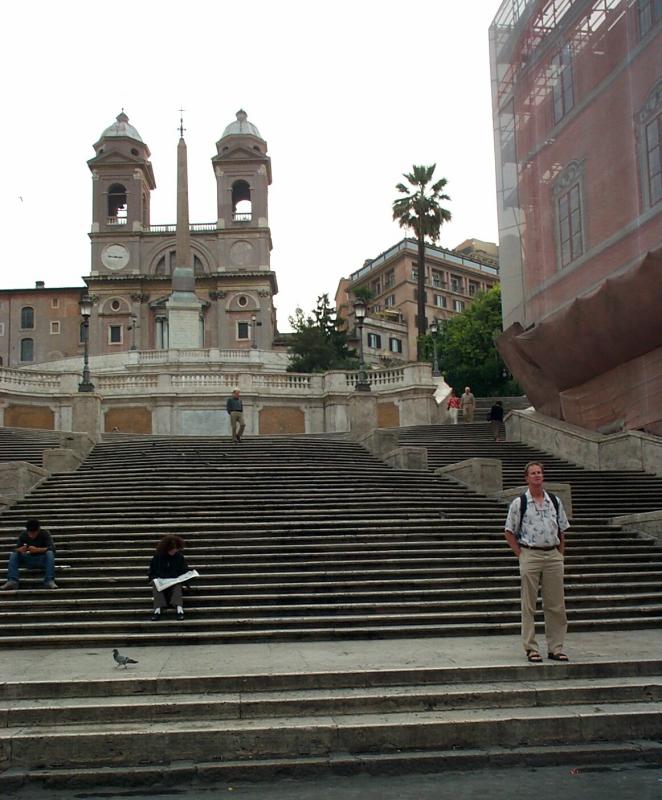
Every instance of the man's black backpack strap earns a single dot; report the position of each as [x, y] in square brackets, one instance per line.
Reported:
[523, 502]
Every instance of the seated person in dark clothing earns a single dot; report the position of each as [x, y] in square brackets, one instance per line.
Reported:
[34, 550]
[168, 562]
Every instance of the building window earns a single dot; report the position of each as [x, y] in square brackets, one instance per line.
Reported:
[389, 279]
[456, 283]
[242, 301]
[440, 301]
[654, 159]
[458, 305]
[242, 206]
[473, 289]
[55, 327]
[570, 225]
[117, 204]
[114, 334]
[389, 301]
[437, 279]
[55, 302]
[27, 349]
[650, 13]
[562, 91]
[569, 213]
[414, 273]
[374, 341]
[243, 330]
[375, 309]
[27, 320]
[395, 345]
[376, 287]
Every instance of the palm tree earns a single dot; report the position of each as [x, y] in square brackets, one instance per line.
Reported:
[421, 211]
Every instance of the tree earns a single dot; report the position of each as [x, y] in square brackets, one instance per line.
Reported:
[467, 352]
[319, 343]
[421, 211]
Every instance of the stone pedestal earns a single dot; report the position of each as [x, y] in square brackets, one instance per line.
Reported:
[61, 459]
[17, 478]
[86, 415]
[362, 412]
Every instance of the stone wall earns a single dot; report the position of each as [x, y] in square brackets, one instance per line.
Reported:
[29, 416]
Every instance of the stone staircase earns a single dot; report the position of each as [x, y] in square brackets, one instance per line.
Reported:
[595, 494]
[24, 444]
[298, 538]
[168, 730]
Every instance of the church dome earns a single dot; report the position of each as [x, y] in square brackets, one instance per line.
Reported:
[241, 126]
[121, 127]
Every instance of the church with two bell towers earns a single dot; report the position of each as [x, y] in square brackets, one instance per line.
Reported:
[134, 261]
[172, 287]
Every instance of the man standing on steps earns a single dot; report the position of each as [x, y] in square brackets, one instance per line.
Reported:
[235, 409]
[34, 550]
[468, 403]
[535, 529]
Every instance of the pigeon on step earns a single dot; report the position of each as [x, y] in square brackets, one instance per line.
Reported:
[121, 660]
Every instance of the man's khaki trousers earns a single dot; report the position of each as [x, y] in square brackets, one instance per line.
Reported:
[543, 568]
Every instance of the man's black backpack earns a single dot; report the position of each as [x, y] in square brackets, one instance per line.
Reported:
[523, 502]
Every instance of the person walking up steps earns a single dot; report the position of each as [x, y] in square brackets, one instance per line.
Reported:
[235, 409]
[468, 403]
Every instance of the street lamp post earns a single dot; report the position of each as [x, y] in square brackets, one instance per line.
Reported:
[85, 305]
[434, 330]
[362, 384]
[253, 332]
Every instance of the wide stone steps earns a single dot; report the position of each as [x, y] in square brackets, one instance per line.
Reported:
[594, 492]
[277, 722]
[295, 539]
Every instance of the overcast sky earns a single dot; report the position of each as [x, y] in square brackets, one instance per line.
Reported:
[348, 95]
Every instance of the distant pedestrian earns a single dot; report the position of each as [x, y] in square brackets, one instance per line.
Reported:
[468, 403]
[34, 550]
[496, 419]
[235, 409]
[453, 406]
[535, 529]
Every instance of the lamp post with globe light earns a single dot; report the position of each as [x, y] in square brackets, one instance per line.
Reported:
[85, 305]
[362, 384]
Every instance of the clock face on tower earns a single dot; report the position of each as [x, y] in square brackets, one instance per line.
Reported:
[115, 256]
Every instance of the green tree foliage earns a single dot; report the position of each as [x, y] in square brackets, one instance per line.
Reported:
[319, 342]
[466, 350]
[420, 210]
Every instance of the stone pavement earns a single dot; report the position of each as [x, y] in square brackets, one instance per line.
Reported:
[303, 657]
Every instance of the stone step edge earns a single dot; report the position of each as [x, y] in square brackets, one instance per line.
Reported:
[256, 770]
[329, 679]
[187, 708]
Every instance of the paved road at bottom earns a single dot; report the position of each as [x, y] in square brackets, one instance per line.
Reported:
[612, 782]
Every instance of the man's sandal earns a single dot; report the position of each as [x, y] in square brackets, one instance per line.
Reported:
[557, 657]
[534, 657]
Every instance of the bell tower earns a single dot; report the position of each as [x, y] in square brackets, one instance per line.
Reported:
[243, 175]
[122, 181]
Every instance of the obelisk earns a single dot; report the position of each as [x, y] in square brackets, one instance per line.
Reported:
[183, 306]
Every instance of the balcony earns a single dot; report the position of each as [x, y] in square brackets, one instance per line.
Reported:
[242, 217]
[116, 221]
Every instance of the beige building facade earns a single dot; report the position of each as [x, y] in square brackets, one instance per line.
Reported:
[390, 328]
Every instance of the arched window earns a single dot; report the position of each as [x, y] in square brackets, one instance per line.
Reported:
[117, 204]
[242, 208]
[167, 262]
[27, 349]
[27, 318]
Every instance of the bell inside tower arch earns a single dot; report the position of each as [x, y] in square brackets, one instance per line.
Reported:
[117, 204]
[242, 207]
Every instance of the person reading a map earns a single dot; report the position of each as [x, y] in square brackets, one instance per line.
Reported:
[168, 563]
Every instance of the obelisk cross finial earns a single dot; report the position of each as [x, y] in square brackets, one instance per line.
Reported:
[181, 122]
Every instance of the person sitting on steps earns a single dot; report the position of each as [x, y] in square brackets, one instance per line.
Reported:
[34, 550]
[168, 562]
